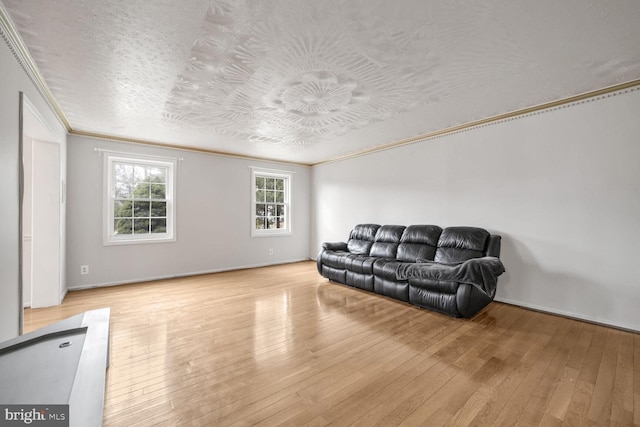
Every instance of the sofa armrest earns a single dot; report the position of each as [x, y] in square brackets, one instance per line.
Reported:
[335, 246]
[493, 245]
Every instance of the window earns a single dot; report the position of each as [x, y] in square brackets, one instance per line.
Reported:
[139, 200]
[271, 205]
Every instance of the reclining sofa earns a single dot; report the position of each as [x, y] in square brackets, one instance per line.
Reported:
[453, 270]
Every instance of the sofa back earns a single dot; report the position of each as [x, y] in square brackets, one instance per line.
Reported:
[386, 241]
[361, 238]
[422, 242]
[418, 242]
[458, 244]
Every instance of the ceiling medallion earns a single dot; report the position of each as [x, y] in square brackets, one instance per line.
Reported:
[249, 77]
[317, 93]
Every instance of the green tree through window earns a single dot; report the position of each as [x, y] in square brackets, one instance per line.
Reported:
[271, 202]
[140, 202]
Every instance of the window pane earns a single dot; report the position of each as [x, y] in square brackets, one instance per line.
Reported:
[281, 222]
[141, 209]
[270, 196]
[123, 190]
[139, 174]
[259, 182]
[141, 226]
[159, 225]
[260, 223]
[269, 183]
[122, 171]
[271, 210]
[271, 223]
[260, 210]
[158, 191]
[157, 175]
[260, 196]
[122, 226]
[122, 208]
[142, 190]
[280, 210]
[280, 196]
[158, 209]
[122, 174]
[280, 184]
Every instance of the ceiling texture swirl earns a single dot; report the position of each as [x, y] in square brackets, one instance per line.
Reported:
[309, 81]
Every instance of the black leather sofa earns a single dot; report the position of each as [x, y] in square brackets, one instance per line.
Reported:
[452, 270]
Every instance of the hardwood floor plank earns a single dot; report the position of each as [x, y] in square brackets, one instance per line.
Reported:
[577, 412]
[622, 396]
[281, 345]
[601, 402]
[544, 389]
[535, 363]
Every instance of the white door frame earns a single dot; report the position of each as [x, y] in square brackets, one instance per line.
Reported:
[37, 133]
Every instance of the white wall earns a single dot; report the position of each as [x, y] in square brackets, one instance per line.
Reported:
[561, 187]
[213, 202]
[13, 81]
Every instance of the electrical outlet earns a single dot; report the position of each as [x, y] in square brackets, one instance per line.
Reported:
[270, 251]
[84, 269]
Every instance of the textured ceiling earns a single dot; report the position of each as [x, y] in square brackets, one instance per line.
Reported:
[308, 81]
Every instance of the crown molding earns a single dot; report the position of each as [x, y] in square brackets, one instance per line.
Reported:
[21, 53]
[134, 141]
[513, 115]
[595, 95]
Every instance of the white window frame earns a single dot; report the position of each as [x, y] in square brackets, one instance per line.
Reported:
[109, 196]
[288, 180]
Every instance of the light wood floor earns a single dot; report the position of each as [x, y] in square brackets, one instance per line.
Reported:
[281, 345]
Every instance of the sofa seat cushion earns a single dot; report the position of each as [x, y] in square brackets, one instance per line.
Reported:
[349, 261]
[359, 263]
[388, 269]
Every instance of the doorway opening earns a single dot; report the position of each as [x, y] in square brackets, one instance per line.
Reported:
[42, 210]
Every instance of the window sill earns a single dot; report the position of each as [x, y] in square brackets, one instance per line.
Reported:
[255, 233]
[117, 242]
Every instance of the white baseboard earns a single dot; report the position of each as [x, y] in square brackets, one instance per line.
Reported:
[174, 276]
[571, 315]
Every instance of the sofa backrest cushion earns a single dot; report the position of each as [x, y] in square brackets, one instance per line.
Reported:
[418, 242]
[386, 241]
[458, 244]
[361, 238]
